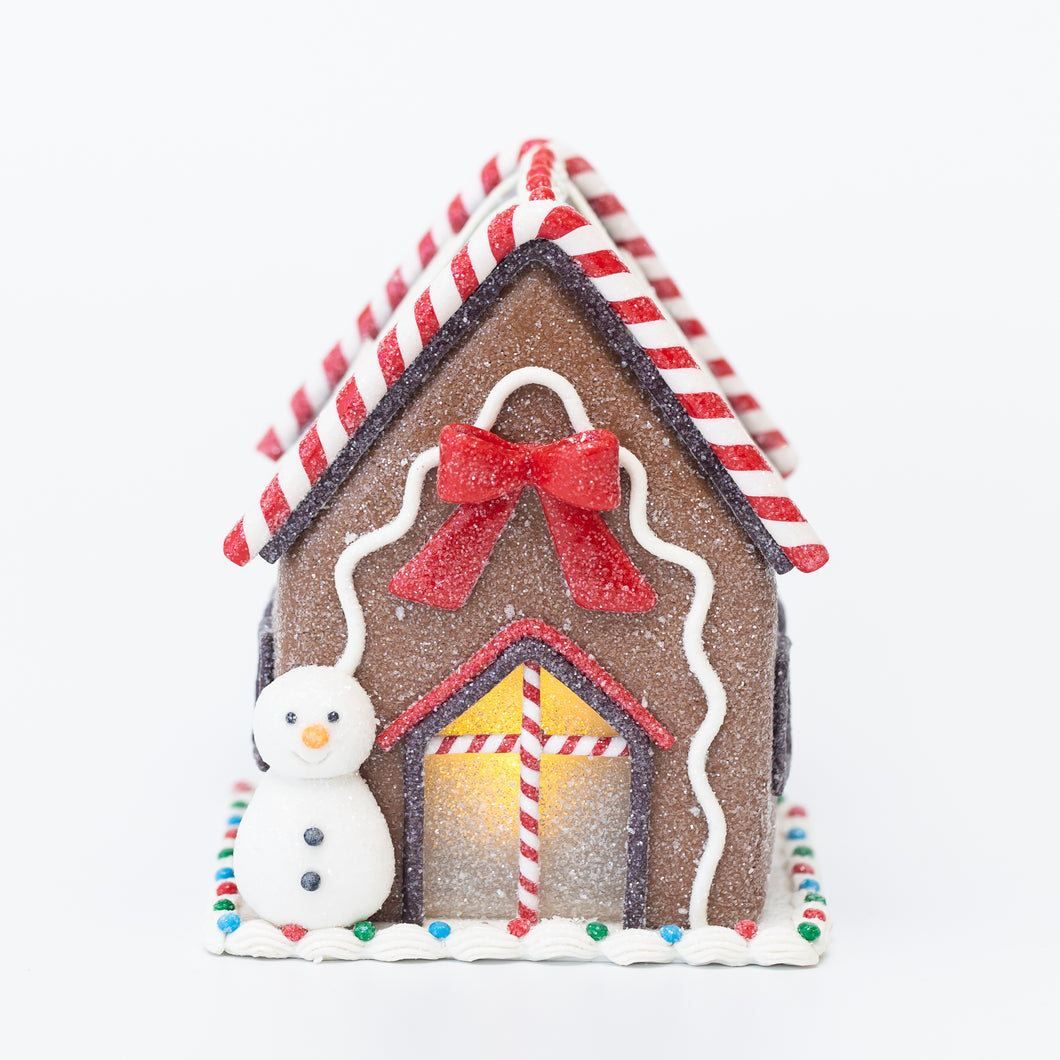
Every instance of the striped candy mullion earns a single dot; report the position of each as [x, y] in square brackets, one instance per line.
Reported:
[530, 751]
[491, 743]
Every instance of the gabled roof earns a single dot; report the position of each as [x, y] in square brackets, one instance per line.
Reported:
[547, 203]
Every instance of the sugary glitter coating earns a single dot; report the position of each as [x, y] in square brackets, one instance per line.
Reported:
[637, 610]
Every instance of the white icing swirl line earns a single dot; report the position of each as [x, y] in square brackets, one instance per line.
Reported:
[692, 639]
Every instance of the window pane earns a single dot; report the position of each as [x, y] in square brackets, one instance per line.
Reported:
[470, 835]
[565, 714]
[584, 815]
[499, 711]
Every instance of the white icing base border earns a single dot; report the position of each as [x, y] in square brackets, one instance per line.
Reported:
[777, 940]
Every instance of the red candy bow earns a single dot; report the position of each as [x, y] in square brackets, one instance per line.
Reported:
[575, 478]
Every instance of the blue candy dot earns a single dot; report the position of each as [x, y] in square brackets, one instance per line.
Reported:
[234, 819]
[809, 885]
[796, 833]
[228, 922]
[671, 933]
[439, 929]
[223, 874]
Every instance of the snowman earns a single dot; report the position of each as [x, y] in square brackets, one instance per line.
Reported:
[313, 848]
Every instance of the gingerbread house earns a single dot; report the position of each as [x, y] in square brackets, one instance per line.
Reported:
[540, 518]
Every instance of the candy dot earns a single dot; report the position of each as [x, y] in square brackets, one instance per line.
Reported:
[294, 932]
[223, 903]
[364, 930]
[228, 922]
[234, 819]
[813, 896]
[223, 874]
[313, 836]
[671, 933]
[518, 927]
[810, 932]
[596, 931]
[796, 833]
[239, 804]
[801, 868]
[227, 888]
[439, 929]
[809, 885]
[225, 853]
[802, 852]
[746, 929]
[310, 881]
[796, 811]
[231, 833]
[813, 913]
[241, 785]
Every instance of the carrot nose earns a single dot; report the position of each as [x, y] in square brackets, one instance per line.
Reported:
[314, 736]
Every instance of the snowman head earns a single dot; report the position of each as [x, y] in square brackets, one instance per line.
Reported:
[314, 722]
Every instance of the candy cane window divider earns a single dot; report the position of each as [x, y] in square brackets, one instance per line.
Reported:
[531, 743]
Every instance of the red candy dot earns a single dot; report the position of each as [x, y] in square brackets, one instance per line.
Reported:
[518, 927]
[814, 913]
[746, 929]
[796, 811]
[800, 868]
[242, 785]
[228, 887]
[230, 834]
[294, 932]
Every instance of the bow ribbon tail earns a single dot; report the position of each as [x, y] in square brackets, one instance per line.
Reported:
[446, 569]
[598, 572]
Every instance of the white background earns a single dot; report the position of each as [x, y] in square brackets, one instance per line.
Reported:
[861, 202]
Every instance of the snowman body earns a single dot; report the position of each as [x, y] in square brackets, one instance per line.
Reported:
[316, 853]
[313, 848]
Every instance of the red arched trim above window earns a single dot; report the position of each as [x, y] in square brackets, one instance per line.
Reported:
[528, 628]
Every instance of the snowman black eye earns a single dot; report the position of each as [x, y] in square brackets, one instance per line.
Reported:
[333, 717]
[291, 717]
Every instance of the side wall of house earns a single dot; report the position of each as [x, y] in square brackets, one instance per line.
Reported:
[411, 648]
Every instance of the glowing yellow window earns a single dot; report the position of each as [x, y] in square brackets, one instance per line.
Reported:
[563, 852]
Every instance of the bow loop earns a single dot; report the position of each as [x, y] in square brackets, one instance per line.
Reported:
[581, 470]
[475, 465]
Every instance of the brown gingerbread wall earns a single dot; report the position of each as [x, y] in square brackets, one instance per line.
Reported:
[411, 648]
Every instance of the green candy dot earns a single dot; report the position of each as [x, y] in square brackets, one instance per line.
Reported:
[239, 805]
[364, 930]
[810, 932]
[224, 903]
[802, 852]
[813, 896]
[596, 931]
[226, 853]
[781, 798]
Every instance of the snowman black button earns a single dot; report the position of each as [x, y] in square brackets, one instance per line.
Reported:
[313, 836]
[311, 881]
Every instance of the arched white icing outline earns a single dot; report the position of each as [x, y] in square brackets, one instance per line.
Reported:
[692, 637]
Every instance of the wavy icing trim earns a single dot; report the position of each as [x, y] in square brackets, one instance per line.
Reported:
[793, 903]
[692, 637]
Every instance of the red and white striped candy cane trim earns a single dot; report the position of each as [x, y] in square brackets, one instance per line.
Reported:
[625, 232]
[590, 247]
[530, 750]
[324, 376]
[586, 746]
